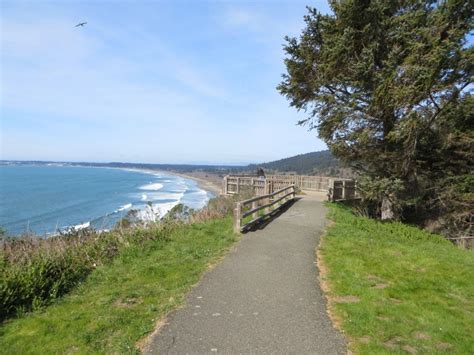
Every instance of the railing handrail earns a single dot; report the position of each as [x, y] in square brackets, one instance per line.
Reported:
[284, 176]
[259, 208]
[242, 176]
[245, 202]
[239, 214]
[336, 188]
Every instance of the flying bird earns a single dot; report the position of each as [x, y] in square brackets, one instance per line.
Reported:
[81, 24]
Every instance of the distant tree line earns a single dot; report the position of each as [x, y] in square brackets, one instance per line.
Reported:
[314, 163]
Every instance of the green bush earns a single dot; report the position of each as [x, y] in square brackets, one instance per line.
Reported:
[36, 271]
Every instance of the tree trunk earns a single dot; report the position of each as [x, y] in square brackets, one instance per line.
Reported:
[387, 209]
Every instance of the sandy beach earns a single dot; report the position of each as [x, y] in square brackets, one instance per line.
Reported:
[206, 181]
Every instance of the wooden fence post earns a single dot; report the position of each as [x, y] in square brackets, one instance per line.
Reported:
[225, 185]
[267, 201]
[331, 190]
[237, 217]
[255, 214]
[343, 189]
[238, 185]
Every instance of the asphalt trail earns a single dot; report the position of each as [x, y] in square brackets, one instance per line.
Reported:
[264, 297]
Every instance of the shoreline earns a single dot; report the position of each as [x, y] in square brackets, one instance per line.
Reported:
[204, 184]
[211, 188]
[207, 185]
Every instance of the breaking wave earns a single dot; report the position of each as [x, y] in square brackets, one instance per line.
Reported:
[152, 187]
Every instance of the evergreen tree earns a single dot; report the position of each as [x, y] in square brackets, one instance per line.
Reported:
[388, 86]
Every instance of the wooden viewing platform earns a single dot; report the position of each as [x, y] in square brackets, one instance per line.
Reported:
[337, 189]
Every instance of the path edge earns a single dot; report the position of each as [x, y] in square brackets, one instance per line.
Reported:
[326, 287]
[143, 344]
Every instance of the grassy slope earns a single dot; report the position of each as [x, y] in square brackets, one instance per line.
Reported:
[121, 302]
[415, 290]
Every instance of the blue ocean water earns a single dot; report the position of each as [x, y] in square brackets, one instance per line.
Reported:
[43, 199]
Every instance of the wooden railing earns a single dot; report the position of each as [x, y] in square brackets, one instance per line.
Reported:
[260, 207]
[236, 183]
[342, 189]
[303, 182]
[337, 188]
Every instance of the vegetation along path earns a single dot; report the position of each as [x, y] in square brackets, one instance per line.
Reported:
[262, 298]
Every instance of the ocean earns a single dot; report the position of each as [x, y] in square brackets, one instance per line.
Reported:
[45, 199]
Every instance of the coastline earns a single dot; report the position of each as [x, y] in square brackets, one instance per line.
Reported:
[101, 222]
[209, 185]
[206, 181]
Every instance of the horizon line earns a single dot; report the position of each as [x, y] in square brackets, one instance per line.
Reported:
[221, 164]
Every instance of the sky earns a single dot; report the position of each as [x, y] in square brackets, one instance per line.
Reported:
[149, 81]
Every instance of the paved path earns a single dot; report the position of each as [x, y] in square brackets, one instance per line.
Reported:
[262, 298]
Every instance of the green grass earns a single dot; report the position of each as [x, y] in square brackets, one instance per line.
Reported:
[120, 302]
[413, 291]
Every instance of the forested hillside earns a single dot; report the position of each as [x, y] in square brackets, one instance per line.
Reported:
[318, 163]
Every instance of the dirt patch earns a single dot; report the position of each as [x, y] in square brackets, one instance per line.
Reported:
[383, 318]
[421, 335]
[326, 287]
[127, 302]
[409, 349]
[364, 339]
[395, 342]
[443, 346]
[392, 343]
[395, 300]
[346, 299]
[144, 342]
[378, 282]
[380, 286]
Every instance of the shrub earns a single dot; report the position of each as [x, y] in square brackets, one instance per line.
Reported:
[34, 271]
